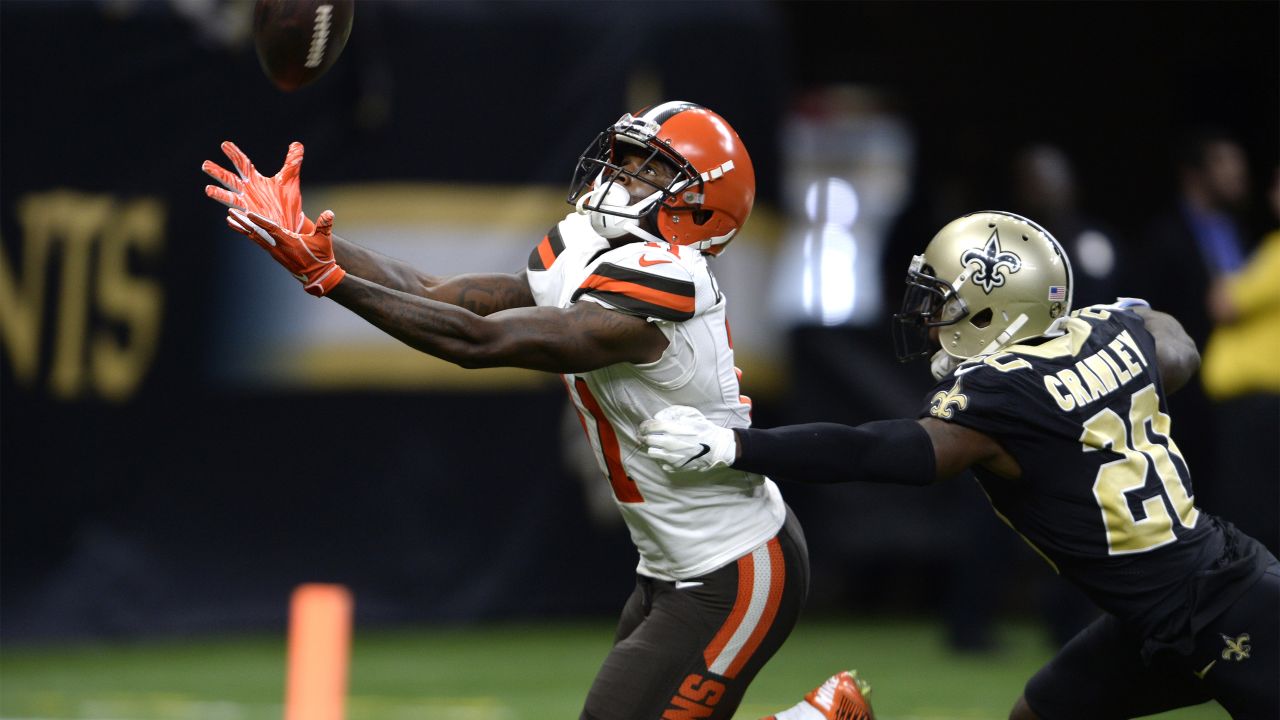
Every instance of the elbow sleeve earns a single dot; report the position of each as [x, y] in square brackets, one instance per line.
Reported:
[888, 451]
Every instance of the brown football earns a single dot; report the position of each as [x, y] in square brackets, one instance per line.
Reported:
[298, 40]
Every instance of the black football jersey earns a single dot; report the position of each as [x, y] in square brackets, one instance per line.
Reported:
[1105, 497]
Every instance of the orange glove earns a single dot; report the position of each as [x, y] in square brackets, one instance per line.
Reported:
[309, 257]
[277, 198]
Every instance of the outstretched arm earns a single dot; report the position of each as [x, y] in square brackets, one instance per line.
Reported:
[895, 451]
[908, 452]
[481, 293]
[279, 199]
[904, 452]
[583, 337]
[1176, 353]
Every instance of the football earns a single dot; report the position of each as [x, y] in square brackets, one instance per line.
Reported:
[299, 40]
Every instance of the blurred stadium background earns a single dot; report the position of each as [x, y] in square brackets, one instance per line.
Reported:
[185, 437]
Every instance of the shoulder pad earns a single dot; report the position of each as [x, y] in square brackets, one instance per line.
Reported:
[980, 398]
[545, 253]
[572, 232]
[647, 279]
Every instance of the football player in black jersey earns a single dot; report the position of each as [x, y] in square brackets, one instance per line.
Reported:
[1062, 417]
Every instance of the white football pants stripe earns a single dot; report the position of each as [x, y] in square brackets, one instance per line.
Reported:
[763, 582]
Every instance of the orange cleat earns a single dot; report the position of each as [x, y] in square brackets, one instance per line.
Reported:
[843, 697]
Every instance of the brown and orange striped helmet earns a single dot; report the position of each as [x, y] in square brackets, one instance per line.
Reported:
[707, 202]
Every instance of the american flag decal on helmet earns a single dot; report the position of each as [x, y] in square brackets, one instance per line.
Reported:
[1057, 292]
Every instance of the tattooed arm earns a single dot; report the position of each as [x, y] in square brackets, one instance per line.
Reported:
[482, 294]
[584, 336]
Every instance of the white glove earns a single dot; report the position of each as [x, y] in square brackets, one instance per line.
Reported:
[682, 439]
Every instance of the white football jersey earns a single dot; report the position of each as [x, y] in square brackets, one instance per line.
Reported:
[684, 524]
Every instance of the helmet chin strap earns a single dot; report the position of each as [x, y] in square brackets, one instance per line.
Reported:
[1003, 337]
[614, 197]
[943, 362]
[634, 228]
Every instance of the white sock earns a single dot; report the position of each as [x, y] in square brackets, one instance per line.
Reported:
[800, 711]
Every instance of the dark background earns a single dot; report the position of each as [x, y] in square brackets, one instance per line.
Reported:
[190, 506]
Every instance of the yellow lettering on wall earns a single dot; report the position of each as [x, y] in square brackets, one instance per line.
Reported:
[135, 302]
[106, 322]
[77, 221]
[22, 295]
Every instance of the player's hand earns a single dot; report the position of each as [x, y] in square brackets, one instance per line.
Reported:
[682, 439]
[277, 198]
[308, 257]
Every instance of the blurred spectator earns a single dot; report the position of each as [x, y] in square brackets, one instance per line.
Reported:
[1242, 378]
[1202, 236]
[1199, 238]
[1044, 187]
[849, 161]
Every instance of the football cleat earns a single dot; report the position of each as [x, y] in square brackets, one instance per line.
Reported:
[843, 697]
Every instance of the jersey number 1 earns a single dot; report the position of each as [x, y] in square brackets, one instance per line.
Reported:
[624, 488]
[1131, 438]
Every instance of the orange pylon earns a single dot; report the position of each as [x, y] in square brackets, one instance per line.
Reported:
[319, 652]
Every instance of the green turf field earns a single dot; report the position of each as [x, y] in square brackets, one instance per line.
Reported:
[504, 672]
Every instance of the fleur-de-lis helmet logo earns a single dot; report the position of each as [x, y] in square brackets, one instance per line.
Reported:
[991, 263]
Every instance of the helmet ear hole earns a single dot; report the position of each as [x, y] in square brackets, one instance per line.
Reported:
[701, 217]
[982, 319]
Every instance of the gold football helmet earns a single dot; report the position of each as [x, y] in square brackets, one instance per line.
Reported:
[986, 280]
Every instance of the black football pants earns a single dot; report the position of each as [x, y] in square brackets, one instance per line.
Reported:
[690, 649]
[1100, 675]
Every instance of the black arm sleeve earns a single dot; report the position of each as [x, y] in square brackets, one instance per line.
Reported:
[888, 451]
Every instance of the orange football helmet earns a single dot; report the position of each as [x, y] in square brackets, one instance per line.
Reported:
[704, 206]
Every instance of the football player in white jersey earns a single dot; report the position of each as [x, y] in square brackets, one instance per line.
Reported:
[618, 298]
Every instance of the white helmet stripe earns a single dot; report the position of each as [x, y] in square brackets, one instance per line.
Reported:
[716, 173]
[664, 112]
